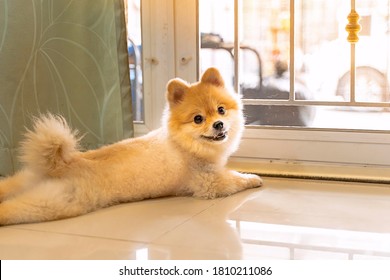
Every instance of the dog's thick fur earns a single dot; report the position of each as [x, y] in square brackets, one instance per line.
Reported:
[202, 127]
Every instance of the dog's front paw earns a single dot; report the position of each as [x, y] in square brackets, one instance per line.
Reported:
[254, 181]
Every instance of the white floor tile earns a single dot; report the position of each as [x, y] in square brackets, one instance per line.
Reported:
[16, 244]
[286, 219]
[138, 221]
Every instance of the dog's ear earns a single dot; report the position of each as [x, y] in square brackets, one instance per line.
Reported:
[212, 76]
[176, 89]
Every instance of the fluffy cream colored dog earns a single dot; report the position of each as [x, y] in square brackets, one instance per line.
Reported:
[202, 127]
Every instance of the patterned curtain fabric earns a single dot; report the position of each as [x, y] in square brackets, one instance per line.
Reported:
[66, 57]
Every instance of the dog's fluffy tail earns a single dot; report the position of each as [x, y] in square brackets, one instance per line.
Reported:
[50, 146]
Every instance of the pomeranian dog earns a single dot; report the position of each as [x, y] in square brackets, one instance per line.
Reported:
[202, 127]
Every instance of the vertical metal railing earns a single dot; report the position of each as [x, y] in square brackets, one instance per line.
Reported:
[237, 45]
[292, 50]
[353, 28]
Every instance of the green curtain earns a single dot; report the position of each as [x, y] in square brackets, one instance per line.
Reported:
[67, 57]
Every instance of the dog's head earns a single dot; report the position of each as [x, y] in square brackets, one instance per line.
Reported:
[205, 118]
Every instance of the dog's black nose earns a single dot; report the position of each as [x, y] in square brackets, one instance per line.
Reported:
[218, 125]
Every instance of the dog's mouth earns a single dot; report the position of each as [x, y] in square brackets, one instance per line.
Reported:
[217, 137]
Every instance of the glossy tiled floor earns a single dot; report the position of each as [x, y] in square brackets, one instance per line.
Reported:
[286, 219]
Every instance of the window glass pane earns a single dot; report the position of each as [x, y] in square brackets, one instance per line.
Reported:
[322, 52]
[135, 59]
[265, 34]
[278, 115]
[321, 61]
[216, 25]
[319, 117]
[372, 51]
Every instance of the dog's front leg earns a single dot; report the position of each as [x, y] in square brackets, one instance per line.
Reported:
[225, 183]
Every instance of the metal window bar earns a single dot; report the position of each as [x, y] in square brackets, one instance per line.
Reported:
[292, 51]
[236, 48]
[352, 28]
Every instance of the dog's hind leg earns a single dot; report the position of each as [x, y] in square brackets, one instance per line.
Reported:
[45, 202]
[12, 185]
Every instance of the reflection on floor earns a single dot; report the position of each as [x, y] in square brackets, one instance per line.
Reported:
[286, 219]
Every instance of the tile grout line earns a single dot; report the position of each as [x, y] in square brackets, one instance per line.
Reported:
[77, 235]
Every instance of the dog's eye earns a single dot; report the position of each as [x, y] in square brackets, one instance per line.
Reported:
[221, 110]
[198, 119]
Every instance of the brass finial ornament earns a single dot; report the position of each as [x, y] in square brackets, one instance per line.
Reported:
[353, 27]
